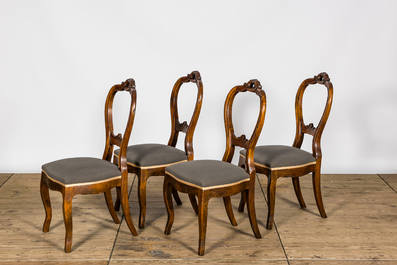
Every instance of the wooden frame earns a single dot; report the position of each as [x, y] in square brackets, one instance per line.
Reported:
[143, 173]
[103, 186]
[297, 171]
[247, 186]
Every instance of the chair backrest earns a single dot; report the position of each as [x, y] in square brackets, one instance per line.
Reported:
[232, 140]
[187, 128]
[120, 140]
[301, 127]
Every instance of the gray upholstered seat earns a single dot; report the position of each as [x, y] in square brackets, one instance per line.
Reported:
[153, 155]
[207, 173]
[81, 170]
[279, 156]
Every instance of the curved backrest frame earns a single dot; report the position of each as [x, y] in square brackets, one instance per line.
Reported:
[232, 140]
[301, 127]
[120, 140]
[187, 128]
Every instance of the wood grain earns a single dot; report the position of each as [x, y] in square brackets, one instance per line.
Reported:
[361, 227]
[361, 223]
[390, 179]
[4, 177]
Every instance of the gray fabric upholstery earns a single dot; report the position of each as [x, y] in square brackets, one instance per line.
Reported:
[80, 170]
[148, 155]
[275, 156]
[207, 173]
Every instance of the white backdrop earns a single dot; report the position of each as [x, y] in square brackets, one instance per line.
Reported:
[58, 60]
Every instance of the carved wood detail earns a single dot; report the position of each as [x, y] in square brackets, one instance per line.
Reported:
[321, 78]
[116, 139]
[182, 127]
[310, 129]
[241, 141]
[194, 77]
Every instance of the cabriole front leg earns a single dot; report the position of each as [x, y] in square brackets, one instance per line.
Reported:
[67, 219]
[168, 205]
[202, 221]
[142, 180]
[271, 200]
[45, 197]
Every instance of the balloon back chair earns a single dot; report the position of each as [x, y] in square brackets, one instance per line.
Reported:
[211, 178]
[149, 159]
[277, 161]
[86, 175]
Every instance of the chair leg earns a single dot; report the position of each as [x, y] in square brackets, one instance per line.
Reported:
[109, 203]
[316, 178]
[243, 201]
[167, 187]
[45, 197]
[298, 192]
[241, 163]
[193, 202]
[229, 210]
[142, 180]
[252, 213]
[176, 196]
[271, 199]
[125, 205]
[67, 219]
[202, 220]
[118, 203]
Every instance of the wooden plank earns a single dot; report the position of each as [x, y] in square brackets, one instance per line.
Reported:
[361, 227]
[56, 262]
[22, 217]
[223, 242]
[342, 262]
[196, 261]
[361, 223]
[391, 180]
[4, 177]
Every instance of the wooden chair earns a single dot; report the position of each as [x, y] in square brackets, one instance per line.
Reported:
[146, 160]
[85, 175]
[210, 178]
[276, 161]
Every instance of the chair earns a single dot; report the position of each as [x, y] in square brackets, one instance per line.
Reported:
[276, 161]
[210, 178]
[146, 160]
[85, 175]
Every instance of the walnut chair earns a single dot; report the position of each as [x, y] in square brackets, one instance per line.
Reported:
[276, 161]
[211, 178]
[86, 175]
[150, 159]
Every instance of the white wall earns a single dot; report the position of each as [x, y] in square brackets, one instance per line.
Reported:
[59, 58]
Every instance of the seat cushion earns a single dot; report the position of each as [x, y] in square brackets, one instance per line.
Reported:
[153, 155]
[280, 156]
[80, 170]
[206, 174]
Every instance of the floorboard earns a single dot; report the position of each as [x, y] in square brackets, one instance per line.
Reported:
[361, 227]
[390, 179]
[4, 177]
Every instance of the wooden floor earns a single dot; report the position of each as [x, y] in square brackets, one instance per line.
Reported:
[361, 227]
